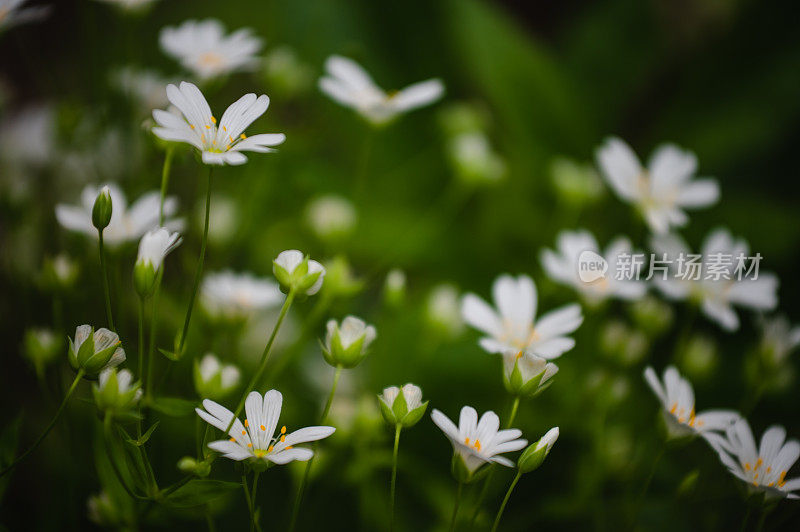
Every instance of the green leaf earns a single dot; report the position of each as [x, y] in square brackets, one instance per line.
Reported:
[199, 491]
[138, 442]
[169, 354]
[173, 406]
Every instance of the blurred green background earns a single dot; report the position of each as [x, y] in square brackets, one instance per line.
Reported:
[720, 78]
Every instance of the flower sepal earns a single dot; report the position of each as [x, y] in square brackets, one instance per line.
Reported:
[144, 278]
[397, 409]
[116, 392]
[191, 466]
[297, 273]
[529, 375]
[102, 209]
[534, 455]
[91, 351]
[346, 345]
[463, 474]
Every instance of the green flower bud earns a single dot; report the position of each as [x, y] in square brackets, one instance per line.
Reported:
[213, 380]
[652, 315]
[533, 456]
[394, 289]
[331, 218]
[402, 406]
[154, 246]
[473, 159]
[347, 345]
[339, 279]
[92, 351]
[115, 391]
[101, 212]
[59, 273]
[144, 278]
[699, 357]
[41, 348]
[625, 345]
[575, 184]
[285, 73]
[297, 273]
[189, 465]
[527, 375]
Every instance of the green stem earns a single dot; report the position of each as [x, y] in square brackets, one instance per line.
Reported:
[505, 501]
[392, 491]
[164, 182]
[513, 415]
[114, 466]
[253, 524]
[151, 347]
[47, 430]
[199, 272]
[648, 480]
[104, 273]
[141, 339]
[247, 497]
[363, 164]
[457, 503]
[299, 498]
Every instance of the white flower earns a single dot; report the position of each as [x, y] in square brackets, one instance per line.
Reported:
[479, 442]
[126, 224]
[442, 309]
[411, 393]
[203, 48]
[331, 216]
[778, 339]
[155, 245]
[717, 296]
[13, 14]
[562, 266]
[348, 84]
[238, 295]
[308, 280]
[116, 390]
[512, 327]
[143, 86]
[474, 159]
[130, 5]
[662, 190]
[256, 439]
[213, 379]
[763, 467]
[677, 398]
[221, 144]
[405, 413]
[347, 344]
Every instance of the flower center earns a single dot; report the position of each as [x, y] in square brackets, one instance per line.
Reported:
[475, 445]
[211, 59]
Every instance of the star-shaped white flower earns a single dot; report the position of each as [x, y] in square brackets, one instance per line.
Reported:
[562, 266]
[238, 295]
[127, 223]
[716, 294]
[347, 83]
[662, 190]
[12, 13]
[256, 438]
[220, 143]
[677, 398]
[764, 467]
[479, 442]
[511, 328]
[203, 48]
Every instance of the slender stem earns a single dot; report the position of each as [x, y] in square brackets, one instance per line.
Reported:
[47, 430]
[299, 498]
[141, 339]
[247, 497]
[169, 490]
[210, 521]
[643, 491]
[104, 273]
[505, 500]
[392, 491]
[151, 347]
[453, 519]
[264, 358]
[746, 517]
[199, 271]
[762, 518]
[253, 524]
[513, 415]
[164, 182]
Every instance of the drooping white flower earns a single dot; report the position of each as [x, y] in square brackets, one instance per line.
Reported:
[12, 13]
[221, 143]
[127, 223]
[563, 266]
[677, 399]
[526, 374]
[348, 84]
[717, 291]
[202, 48]
[778, 339]
[763, 467]
[95, 350]
[155, 245]
[331, 216]
[295, 271]
[662, 190]
[256, 438]
[238, 295]
[479, 442]
[129, 5]
[511, 328]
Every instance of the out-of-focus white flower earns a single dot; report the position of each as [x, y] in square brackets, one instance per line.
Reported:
[214, 380]
[202, 48]
[511, 328]
[677, 399]
[347, 344]
[219, 144]
[563, 266]
[331, 217]
[394, 288]
[662, 190]
[12, 13]
[778, 339]
[129, 5]
[127, 223]
[348, 84]
[473, 158]
[27, 136]
[576, 184]
[59, 272]
[442, 309]
[762, 467]
[93, 351]
[42, 347]
[115, 391]
[297, 272]
[256, 438]
[478, 442]
[720, 290]
[232, 295]
[285, 72]
[145, 87]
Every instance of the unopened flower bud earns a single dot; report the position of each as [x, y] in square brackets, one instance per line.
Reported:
[346, 345]
[339, 279]
[402, 406]
[213, 380]
[533, 456]
[92, 351]
[394, 289]
[331, 217]
[41, 348]
[298, 273]
[59, 273]
[101, 212]
[189, 465]
[115, 391]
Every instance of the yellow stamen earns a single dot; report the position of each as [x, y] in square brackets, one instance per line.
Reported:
[242, 136]
[289, 447]
[249, 444]
[283, 429]
[466, 441]
[271, 447]
[283, 438]
[674, 408]
[246, 422]
[244, 432]
[759, 462]
[208, 127]
[263, 427]
[213, 120]
[233, 439]
[747, 466]
[478, 445]
[191, 126]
